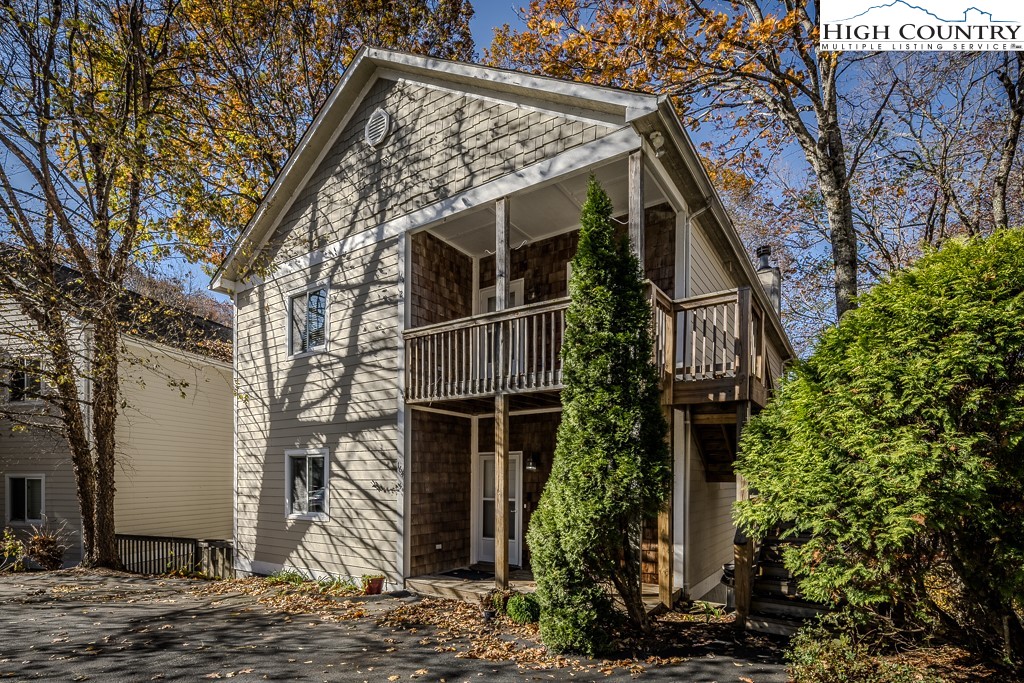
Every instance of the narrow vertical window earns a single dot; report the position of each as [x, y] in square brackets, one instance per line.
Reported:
[26, 380]
[306, 485]
[25, 499]
[309, 320]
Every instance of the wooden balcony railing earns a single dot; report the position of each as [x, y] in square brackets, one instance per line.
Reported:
[511, 351]
[712, 342]
[720, 347]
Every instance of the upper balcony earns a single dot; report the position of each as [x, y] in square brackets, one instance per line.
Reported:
[460, 351]
[709, 348]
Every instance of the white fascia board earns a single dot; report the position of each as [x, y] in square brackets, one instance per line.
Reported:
[589, 155]
[532, 102]
[585, 95]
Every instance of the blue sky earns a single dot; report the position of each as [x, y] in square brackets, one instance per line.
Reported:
[490, 14]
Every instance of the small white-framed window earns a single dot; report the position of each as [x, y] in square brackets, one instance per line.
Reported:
[26, 498]
[306, 483]
[308, 320]
[26, 380]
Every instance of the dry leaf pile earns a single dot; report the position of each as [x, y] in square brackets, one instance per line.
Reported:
[455, 626]
[303, 599]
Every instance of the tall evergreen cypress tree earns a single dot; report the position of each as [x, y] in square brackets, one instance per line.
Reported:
[611, 468]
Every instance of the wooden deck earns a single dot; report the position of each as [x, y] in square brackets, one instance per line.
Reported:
[709, 348]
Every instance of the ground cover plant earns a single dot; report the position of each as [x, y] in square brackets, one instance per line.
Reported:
[899, 445]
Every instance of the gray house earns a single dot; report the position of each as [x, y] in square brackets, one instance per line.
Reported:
[400, 302]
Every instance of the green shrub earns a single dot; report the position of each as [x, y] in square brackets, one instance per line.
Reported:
[611, 464]
[500, 598]
[818, 654]
[897, 446]
[287, 577]
[523, 608]
[12, 552]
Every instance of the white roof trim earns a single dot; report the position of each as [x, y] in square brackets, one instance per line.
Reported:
[358, 77]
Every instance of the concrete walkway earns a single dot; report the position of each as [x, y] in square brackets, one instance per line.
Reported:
[77, 626]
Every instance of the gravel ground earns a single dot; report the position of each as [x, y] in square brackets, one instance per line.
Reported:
[75, 625]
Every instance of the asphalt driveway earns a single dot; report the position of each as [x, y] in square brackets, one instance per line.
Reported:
[76, 625]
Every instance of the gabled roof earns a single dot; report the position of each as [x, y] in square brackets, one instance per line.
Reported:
[611, 105]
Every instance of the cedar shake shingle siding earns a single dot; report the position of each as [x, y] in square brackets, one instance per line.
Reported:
[442, 281]
[441, 143]
[441, 486]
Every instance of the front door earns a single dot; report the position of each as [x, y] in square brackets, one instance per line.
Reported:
[484, 508]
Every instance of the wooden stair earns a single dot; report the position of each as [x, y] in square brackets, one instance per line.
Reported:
[777, 605]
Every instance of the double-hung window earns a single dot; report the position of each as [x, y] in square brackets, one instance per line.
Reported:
[306, 483]
[25, 499]
[309, 320]
[26, 380]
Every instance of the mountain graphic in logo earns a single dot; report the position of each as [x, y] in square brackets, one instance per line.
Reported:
[901, 11]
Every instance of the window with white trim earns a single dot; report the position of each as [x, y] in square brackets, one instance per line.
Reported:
[306, 483]
[26, 380]
[25, 499]
[309, 320]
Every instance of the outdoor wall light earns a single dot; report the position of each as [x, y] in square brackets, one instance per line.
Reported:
[531, 462]
[657, 141]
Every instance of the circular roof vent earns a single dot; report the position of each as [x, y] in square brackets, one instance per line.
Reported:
[377, 127]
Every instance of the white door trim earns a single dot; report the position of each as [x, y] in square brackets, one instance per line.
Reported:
[515, 555]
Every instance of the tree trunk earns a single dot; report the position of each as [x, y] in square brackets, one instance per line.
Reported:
[1011, 137]
[75, 426]
[105, 407]
[628, 580]
[835, 191]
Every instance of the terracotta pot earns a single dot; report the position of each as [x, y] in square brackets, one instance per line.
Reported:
[374, 585]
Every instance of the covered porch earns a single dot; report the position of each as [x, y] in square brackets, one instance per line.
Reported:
[482, 370]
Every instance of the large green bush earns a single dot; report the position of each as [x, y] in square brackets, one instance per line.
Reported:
[611, 465]
[898, 445]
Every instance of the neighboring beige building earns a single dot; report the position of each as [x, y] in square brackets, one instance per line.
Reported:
[174, 434]
[399, 342]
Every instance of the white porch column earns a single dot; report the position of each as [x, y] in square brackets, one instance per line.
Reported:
[636, 204]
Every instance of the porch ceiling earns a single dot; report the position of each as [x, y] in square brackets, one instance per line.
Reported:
[548, 210]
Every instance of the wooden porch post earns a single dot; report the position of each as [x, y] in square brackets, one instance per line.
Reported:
[501, 446]
[665, 549]
[743, 564]
[743, 547]
[501, 491]
[636, 204]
